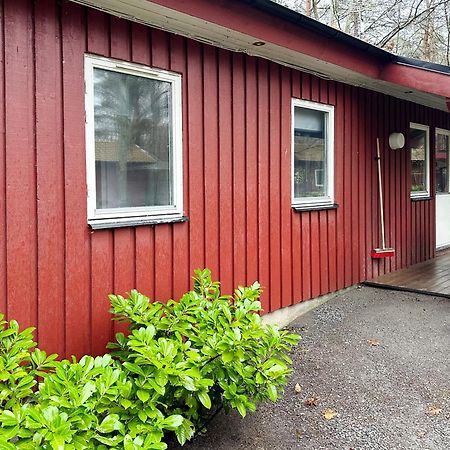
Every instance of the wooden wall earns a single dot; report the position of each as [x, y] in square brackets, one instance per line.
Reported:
[55, 272]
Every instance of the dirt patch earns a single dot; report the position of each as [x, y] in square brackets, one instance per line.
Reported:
[372, 373]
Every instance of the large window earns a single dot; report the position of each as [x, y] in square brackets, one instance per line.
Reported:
[133, 137]
[419, 144]
[312, 155]
[442, 161]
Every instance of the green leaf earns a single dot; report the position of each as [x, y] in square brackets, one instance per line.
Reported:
[110, 423]
[172, 422]
[227, 357]
[272, 392]
[204, 399]
[143, 395]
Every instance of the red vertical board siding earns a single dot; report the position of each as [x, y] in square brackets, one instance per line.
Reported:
[251, 167]
[211, 152]
[21, 236]
[195, 177]
[181, 275]
[102, 241]
[3, 231]
[274, 186]
[49, 178]
[77, 235]
[264, 261]
[285, 194]
[225, 172]
[237, 184]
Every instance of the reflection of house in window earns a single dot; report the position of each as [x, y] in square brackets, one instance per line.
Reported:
[418, 143]
[147, 177]
[309, 152]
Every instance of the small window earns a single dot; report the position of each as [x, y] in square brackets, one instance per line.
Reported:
[133, 140]
[312, 155]
[418, 139]
[442, 161]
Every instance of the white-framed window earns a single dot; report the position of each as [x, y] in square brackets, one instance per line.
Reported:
[419, 145]
[442, 157]
[312, 154]
[133, 143]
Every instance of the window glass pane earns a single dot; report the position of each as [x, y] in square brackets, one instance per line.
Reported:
[133, 143]
[310, 153]
[442, 148]
[417, 143]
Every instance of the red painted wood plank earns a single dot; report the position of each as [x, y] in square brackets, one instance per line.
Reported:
[163, 262]
[361, 143]
[239, 194]
[285, 182]
[274, 187]
[297, 293]
[316, 268]
[306, 254]
[145, 261]
[354, 185]
[181, 276]
[20, 164]
[3, 230]
[120, 38]
[251, 167]
[102, 241]
[332, 250]
[77, 233]
[195, 177]
[323, 251]
[348, 194]
[49, 178]
[339, 183]
[226, 229]
[211, 152]
[263, 183]
[98, 37]
[140, 45]
[160, 49]
[102, 284]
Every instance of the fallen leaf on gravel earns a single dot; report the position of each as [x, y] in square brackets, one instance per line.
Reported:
[311, 401]
[329, 414]
[434, 410]
[421, 434]
[373, 342]
[298, 388]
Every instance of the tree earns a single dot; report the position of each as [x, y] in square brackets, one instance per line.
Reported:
[413, 28]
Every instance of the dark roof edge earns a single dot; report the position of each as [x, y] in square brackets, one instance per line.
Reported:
[422, 64]
[297, 18]
[309, 23]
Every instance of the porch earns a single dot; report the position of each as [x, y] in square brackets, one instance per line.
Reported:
[430, 277]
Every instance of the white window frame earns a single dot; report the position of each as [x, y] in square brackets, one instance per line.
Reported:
[426, 128]
[133, 215]
[328, 199]
[444, 132]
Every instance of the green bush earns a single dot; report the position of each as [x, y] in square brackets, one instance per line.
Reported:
[181, 363]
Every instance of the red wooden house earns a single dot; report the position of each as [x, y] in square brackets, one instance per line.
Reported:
[143, 139]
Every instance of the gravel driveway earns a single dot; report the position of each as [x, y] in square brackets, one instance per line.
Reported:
[379, 359]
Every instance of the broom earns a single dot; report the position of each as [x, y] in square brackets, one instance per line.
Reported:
[383, 252]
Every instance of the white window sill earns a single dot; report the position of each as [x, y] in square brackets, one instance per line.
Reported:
[420, 196]
[299, 207]
[99, 224]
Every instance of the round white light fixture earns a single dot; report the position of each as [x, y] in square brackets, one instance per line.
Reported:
[396, 141]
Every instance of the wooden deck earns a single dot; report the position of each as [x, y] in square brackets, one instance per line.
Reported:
[430, 277]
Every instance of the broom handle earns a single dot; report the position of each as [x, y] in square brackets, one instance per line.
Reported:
[380, 188]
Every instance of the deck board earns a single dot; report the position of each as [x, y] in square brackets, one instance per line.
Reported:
[430, 277]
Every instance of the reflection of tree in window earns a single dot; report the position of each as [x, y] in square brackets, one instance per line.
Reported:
[132, 140]
[442, 163]
[309, 153]
[417, 143]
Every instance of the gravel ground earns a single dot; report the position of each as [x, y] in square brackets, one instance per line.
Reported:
[379, 359]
